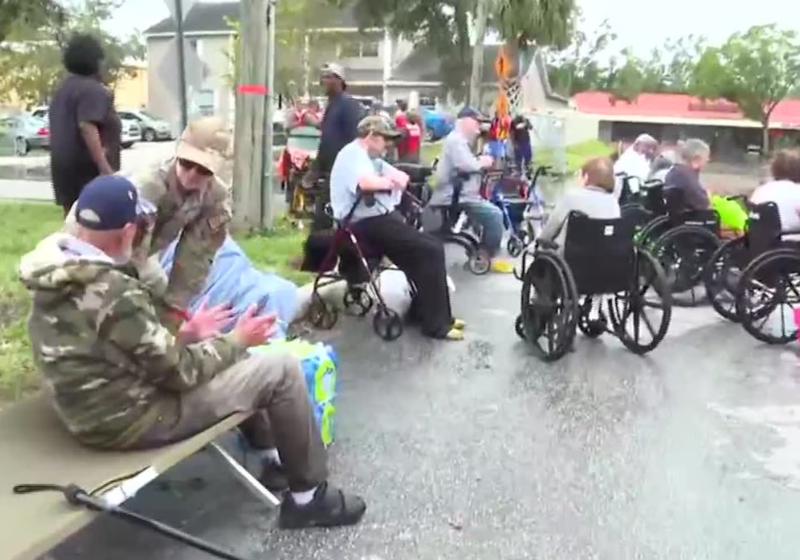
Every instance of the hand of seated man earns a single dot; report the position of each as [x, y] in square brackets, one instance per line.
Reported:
[254, 330]
[205, 322]
[399, 179]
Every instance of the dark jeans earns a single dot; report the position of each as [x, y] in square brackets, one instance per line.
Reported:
[419, 255]
[273, 387]
[69, 180]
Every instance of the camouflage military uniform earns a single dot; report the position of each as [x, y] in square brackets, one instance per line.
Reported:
[198, 220]
[119, 379]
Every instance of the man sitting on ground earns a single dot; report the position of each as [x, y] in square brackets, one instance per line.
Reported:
[120, 380]
[420, 256]
[685, 175]
[458, 163]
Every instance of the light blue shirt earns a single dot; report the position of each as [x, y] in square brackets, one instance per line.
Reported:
[352, 163]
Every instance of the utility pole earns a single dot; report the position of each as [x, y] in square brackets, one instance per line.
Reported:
[268, 182]
[249, 126]
[181, 63]
[482, 14]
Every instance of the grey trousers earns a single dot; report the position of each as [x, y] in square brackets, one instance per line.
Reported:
[273, 388]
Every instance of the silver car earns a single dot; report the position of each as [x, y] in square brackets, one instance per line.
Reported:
[28, 132]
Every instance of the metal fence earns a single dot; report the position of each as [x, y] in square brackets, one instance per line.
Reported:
[549, 141]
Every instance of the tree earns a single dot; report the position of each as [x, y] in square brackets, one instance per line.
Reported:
[579, 67]
[756, 70]
[29, 13]
[30, 60]
[443, 27]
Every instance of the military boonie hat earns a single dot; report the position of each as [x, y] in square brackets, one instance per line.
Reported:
[206, 142]
[110, 202]
[375, 124]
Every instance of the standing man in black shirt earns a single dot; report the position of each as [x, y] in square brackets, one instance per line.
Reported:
[84, 126]
[339, 127]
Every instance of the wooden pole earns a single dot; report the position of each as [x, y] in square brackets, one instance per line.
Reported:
[249, 131]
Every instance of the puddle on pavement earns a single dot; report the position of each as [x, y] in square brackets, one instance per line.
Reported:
[782, 460]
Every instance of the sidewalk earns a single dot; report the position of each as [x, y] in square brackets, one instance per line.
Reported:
[14, 189]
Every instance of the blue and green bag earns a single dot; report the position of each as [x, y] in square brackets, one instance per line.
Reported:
[320, 363]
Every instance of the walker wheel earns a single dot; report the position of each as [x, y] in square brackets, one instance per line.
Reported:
[387, 324]
[323, 316]
[479, 262]
[514, 247]
[357, 301]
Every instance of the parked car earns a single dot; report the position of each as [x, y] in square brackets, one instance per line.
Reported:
[29, 133]
[151, 126]
[131, 133]
[437, 124]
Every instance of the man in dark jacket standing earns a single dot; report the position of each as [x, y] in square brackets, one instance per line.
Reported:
[339, 127]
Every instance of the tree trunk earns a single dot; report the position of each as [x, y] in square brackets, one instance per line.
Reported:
[477, 54]
[765, 140]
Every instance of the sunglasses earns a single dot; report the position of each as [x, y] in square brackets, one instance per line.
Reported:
[190, 165]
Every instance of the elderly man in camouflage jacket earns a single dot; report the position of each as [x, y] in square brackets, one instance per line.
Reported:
[120, 380]
[192, 205]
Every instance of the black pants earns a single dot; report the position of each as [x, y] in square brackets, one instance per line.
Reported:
[419, 255]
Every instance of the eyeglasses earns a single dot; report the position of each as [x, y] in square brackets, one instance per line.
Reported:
[190, 165]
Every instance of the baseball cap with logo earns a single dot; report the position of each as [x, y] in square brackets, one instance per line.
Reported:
[110, 202]
[375, 124]
[205, 142]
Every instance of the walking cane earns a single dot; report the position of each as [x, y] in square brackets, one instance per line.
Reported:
[77, 496]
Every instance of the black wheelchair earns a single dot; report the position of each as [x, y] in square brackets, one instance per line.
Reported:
[600, 262]
[751, 277]
[360, 298]
[452, 229]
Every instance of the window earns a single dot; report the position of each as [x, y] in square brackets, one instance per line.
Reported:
[369, 49]
[349, 50]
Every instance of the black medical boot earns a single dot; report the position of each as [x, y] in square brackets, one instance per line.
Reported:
[330, 507]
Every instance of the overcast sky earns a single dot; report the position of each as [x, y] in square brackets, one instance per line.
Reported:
[639, 24]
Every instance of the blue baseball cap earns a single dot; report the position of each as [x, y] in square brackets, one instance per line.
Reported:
[108, 203]
[470, 113]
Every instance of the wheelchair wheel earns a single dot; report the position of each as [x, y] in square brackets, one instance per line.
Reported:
[514, 246]
[684, 253]
[479, 262]
[387, 324]
[519, 327]
[721, 277]
[549, 307]
[770, 286]
[628, 312]
[323, 315]
[589, 326]
[357, 301]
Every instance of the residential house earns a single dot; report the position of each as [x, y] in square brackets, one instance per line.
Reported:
[367, 57]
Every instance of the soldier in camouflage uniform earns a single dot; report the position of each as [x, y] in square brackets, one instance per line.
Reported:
[120, 380]
[193, 206]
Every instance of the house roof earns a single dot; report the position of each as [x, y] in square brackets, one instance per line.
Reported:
[208, 16]
[678, 106]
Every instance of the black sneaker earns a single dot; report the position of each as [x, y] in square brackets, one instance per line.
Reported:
[330, 508]
[273, 477]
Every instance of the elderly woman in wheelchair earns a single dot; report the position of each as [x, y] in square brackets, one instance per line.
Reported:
[366, 193]
[587, 254]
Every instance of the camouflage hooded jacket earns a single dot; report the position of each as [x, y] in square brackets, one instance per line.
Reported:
[110, 366]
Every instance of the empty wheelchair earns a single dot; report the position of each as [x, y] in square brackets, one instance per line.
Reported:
[359, 298]
[600, 264]
[753, 278]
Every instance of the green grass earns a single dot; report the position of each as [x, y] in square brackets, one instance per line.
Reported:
[576, 154]
[25, 224]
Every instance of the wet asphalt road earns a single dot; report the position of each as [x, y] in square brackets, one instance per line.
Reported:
[476, 450]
